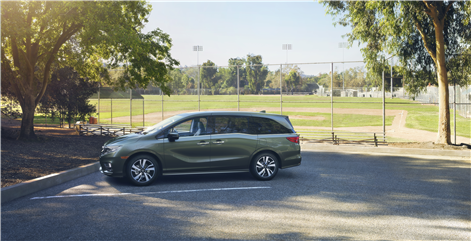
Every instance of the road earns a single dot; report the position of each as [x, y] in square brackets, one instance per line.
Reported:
[330, 196]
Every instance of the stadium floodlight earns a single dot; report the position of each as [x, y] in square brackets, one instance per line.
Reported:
[286, 47]
[343, 45]
[197, 48]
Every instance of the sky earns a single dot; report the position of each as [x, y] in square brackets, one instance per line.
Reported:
[234, 29]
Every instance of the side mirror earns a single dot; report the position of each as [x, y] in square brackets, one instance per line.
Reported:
[172, 136]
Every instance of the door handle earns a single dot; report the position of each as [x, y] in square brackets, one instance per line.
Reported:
[202, 143]
[218, 142]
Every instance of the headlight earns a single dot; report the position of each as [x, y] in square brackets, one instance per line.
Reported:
[109, 149]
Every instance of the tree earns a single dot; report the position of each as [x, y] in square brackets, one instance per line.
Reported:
[234, 62]
[68, 94]
[256, 72]
[188, 82]
[40, 36]
[176, 84]
[292, 80]
[208, 74]
[425, 36]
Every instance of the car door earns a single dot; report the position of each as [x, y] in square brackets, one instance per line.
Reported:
[231, 143]
[191, 152]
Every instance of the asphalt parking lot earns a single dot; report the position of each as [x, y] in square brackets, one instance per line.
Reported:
[330, 196]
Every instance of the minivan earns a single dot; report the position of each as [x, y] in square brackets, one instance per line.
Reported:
[204, 143]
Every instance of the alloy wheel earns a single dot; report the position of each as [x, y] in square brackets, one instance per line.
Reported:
[142, 170]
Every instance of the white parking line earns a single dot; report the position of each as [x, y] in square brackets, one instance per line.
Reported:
[147, 193]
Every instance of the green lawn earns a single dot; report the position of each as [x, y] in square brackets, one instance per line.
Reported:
[429, 121]
[422, 117]
[340, 120]
[40, 119]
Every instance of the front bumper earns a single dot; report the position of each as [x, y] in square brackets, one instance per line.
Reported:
[111, 166]
[106, 168]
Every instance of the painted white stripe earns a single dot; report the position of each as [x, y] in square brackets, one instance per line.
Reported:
[149, 193]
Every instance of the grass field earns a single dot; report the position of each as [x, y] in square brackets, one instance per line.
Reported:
[422, 117]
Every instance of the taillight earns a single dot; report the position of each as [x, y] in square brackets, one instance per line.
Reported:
[293, 139]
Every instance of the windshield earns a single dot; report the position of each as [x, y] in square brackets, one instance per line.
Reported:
[160, 125]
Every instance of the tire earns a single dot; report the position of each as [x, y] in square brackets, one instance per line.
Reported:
[264, 166]
[142, 170]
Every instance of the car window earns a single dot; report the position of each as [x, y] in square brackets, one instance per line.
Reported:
[192, 127]
[268, 126]
[184, 127]
[229, 124]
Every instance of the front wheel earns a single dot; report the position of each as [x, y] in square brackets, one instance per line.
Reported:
[264, 166]
[142, 170]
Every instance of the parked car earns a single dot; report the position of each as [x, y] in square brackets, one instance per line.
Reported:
[203, 143]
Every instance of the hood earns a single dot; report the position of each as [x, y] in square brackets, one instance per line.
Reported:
[124, 138]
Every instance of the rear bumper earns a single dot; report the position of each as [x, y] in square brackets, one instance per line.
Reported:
[292, 163]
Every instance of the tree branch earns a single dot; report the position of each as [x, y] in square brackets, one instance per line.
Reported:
[13, 83]
[14, 50]
[450, 4]
[430, 50]
[29, 19]
[66, 34]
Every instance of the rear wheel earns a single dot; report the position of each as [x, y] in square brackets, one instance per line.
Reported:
[264, 166]
[142, 170]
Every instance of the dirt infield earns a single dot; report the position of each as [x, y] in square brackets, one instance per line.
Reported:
[396, 130]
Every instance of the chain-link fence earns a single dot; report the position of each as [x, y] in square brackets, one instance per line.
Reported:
[340, 99]
[457, 94]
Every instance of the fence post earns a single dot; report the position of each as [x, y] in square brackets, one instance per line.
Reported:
[384, 109]
[332, 96]
[376, 141]
[392, 79]
[199, 101]
[112, 111]
[162, 103]
[130, 106]
[99, 87]
[281, 90]
[238, 90]
[143, 113]
[454, 108]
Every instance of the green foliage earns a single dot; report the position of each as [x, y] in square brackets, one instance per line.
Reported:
[40, 36]
[406, 30]
[292, 80]
[67, 95]
[108, 93]
[256, 72]
[208, 75]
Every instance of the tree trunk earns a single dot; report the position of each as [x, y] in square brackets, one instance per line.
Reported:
[27, 121]
[444, 132]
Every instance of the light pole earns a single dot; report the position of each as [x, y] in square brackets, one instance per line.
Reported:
[343, 45]
[286, 47]
[198, 48]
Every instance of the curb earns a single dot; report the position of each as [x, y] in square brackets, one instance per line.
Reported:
[387, 150]
[22, 189]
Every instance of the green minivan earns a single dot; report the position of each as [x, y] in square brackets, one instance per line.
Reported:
[204, 143]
